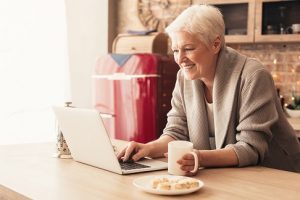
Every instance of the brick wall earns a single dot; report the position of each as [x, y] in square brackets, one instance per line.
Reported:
[282, 60]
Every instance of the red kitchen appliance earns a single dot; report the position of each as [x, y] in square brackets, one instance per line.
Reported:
[133, 94]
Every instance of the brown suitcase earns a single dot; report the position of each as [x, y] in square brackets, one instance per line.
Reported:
[130, 44]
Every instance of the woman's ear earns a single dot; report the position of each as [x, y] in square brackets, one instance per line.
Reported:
[217, 45]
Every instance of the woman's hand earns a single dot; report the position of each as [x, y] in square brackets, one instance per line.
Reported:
[134, 151]
[153, 149]
[187, 163]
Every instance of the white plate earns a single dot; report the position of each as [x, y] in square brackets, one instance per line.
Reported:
[145, 183]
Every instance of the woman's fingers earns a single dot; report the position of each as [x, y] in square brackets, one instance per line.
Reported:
[187, 164]
[187, 168]
[187, 159]
[188, 156]
[134, 151]
[121, 153]
[188, 173]
[125, 153]
[129, 150]
[139, 154]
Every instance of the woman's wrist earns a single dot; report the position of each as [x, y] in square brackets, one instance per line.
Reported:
[151, 147]
[200, 157]
[158, 147]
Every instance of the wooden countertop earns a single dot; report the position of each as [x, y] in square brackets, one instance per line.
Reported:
[295, 122]
[29, 171]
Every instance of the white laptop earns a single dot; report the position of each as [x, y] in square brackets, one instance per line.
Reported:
[89, 142]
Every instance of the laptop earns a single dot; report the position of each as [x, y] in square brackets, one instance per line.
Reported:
[89, 142]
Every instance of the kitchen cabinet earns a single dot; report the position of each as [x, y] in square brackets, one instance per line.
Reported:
[238, 17]
[260, 21]
[274, 18]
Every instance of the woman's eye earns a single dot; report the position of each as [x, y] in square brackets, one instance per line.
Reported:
[175, 51]
[189, 49]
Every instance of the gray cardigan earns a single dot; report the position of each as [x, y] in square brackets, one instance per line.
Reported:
[247, 114]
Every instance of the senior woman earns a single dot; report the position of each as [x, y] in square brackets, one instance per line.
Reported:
[223, 102]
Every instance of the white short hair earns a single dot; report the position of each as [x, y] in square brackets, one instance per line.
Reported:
[204, 21]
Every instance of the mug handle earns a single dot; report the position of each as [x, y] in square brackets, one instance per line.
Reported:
[196, 162]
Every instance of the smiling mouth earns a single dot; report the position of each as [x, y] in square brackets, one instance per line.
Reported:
[188, 66]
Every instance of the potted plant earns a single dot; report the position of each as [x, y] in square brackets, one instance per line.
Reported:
[293, 109]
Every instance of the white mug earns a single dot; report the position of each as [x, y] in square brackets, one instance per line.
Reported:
[296, 28]
[176, 150]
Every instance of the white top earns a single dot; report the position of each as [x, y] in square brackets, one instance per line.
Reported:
[210, 118]
[211, 125]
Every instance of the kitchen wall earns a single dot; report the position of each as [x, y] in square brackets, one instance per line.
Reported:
[87, 30]
[282, 59]
[127, 17]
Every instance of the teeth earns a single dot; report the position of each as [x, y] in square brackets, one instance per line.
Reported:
[188, 66]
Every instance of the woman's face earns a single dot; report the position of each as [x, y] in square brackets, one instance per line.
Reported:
[195, 59]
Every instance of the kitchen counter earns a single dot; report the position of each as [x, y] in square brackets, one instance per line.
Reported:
[28, 171]
[295, 122]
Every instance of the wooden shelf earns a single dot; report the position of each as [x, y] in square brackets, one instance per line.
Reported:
[277, 38]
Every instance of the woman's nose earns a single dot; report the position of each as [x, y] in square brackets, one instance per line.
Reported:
[181, 57]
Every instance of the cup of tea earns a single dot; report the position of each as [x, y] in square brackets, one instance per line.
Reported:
[176, 150]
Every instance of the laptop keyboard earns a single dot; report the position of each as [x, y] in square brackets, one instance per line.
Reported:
[132, 165]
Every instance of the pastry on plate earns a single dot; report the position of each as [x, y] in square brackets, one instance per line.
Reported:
[174, 184]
